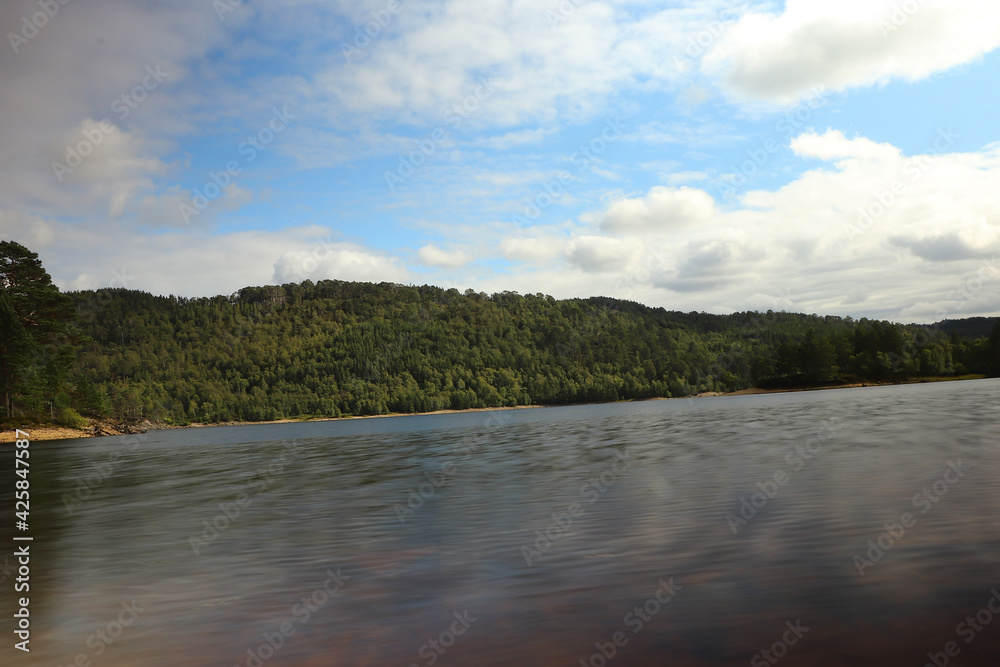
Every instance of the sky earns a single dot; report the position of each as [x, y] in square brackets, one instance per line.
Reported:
[831, 158]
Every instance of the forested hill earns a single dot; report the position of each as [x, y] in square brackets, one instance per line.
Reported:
[341, 348]
[970, 327]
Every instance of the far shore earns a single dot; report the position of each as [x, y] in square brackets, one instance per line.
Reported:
[52, 432]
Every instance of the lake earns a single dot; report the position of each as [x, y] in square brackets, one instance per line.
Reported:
[852, 526]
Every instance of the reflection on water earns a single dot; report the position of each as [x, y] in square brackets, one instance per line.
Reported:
[689, 532]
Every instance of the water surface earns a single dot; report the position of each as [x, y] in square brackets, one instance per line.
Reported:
[330, 515]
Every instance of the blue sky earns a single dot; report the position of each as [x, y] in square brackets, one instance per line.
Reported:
[836, 158]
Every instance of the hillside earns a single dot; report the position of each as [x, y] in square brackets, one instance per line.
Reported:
[340, 348]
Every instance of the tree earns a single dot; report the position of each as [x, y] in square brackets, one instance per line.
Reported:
[36, 344]
[43, 310]
[993, 352]
[16, 348]
[816, 357]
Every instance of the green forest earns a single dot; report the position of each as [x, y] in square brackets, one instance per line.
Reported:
[335, 348]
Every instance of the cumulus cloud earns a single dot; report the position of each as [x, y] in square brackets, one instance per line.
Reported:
[894, 234]
[26, 229]
[431, 255]
[104, 164]
[541, 69]
[601, 253]
[867, 224]
[340, 262]
[968, 242]
[778, 57]
[661, 210]
[532, 249]
[195, 262]
[177, 207]
[833, 145]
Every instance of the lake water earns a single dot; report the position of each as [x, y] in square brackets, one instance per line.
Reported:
[530, 537]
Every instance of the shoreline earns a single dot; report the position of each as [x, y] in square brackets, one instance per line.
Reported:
[51, 432]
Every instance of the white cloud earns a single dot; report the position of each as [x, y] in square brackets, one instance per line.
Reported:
[175, 207]
[852, 43]
[709, 264]
[108, 82]
[873, 231]
[661, 210]
[833, 145]
[532, 249]
[431, 255]
[193, 262]
[103, 164]
[670, 244]
[337, 261]
[602, 254]
[28, 230]
[970, 241]
[429, 61]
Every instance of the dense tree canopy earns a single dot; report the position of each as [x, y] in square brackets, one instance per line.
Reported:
[36, 342]
[992, 365]
[338, 348]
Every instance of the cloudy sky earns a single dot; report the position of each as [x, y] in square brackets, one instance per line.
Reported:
[833, 158]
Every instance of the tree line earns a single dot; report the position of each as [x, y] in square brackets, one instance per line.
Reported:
[336, 348]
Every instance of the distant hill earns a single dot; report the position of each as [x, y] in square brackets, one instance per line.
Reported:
[970, 327]
[337, 348]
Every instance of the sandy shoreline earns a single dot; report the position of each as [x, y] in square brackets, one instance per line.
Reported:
[49, 432]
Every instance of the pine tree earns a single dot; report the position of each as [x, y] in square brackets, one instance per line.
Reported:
[35, 339]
